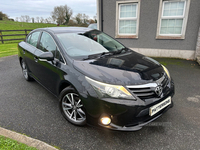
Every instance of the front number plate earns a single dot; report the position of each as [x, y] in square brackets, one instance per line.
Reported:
[158, 107]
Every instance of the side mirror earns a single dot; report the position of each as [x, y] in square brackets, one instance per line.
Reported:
[46, 56]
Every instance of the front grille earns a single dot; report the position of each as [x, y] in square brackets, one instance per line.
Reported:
[143, 93]
[147, 91]
[164, 82]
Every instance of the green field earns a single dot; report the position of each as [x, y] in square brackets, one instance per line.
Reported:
[11, 25]
[10, 47]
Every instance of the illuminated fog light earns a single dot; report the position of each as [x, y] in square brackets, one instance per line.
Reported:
[105, 120]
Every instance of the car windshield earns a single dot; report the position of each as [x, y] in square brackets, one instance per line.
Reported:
[90, 43]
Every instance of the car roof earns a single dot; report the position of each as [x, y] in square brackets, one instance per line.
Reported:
[66, 29]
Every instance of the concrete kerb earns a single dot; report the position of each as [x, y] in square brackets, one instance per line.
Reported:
[26, 140]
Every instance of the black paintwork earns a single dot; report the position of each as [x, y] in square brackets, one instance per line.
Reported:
[121, 69]
[125, 68]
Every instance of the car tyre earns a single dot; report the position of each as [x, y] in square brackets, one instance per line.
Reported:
[25, 71]
[71, 107]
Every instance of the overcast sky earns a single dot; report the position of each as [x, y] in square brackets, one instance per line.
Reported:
[43, 8]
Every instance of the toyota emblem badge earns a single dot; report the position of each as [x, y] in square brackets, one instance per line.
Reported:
[158, 90]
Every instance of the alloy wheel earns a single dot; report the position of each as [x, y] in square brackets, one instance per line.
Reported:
[73, 108]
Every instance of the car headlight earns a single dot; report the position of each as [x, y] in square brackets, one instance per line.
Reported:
[104, 90]
[166, 71]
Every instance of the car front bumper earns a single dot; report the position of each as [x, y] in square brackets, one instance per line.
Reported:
[125, 115]
[137, 125]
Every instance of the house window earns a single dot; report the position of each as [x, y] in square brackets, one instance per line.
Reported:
[127, 15]
[172, 19]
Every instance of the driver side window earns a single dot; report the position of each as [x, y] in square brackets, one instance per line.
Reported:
[47, 44]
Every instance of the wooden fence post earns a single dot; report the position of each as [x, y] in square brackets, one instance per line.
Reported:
[25, 32]
[1, 37]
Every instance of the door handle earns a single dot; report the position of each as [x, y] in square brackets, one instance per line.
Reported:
[23, 51]
[36, 59]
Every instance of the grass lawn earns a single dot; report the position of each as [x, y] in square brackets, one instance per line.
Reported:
[9, 144]
[8, 49]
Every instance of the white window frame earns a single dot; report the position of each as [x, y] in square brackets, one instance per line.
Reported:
[172, 17]
[184, 17]
[128, 18]
[118, 18]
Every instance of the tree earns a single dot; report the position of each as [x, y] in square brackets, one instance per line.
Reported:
[3, 16]
[33, 20]
[22, 19]
[71, 23]
[10, 19]
[27, 18]
[79, 18]
[16, 19]
[47, 20]
[62, 14]
[38, 19]
[95, 18]
[91, 21]
[68, 13]
[41, 20]
[85, 19]
[50, 20]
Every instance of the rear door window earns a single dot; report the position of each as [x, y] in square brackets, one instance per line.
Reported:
[33, 38]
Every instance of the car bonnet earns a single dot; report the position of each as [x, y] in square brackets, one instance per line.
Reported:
[128, 68]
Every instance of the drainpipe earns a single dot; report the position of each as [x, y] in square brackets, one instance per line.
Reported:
[98, 22]
[197, 55]
[102, 15]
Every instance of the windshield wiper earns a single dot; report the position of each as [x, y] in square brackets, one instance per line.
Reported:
[105, 53]
[114, 52]
[91, 57]
[120, 51]
[98, 55]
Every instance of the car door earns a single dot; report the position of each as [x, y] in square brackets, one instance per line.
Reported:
[48, 72]
[28, 50]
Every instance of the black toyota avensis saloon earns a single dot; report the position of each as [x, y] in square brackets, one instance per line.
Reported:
[97, 80]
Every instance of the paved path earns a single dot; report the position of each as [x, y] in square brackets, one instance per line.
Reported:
[26, 107]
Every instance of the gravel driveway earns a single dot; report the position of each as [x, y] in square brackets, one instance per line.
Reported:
[26, 107]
